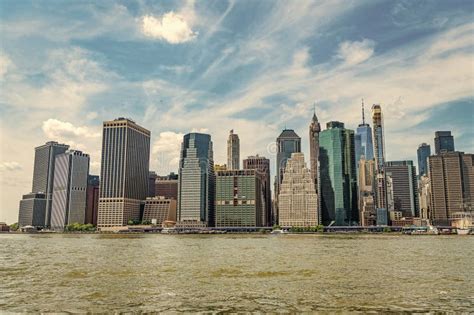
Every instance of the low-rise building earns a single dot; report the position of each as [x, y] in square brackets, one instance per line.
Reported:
[159, 209]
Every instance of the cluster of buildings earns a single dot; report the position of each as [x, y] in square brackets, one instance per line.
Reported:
[346, 182]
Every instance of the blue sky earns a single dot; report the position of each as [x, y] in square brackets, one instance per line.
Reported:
[252, 66]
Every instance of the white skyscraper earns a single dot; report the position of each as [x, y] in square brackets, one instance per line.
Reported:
[298, 200]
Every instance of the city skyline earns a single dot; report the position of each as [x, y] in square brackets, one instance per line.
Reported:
[61, 85]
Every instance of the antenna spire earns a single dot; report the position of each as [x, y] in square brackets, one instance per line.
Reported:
[363, 113]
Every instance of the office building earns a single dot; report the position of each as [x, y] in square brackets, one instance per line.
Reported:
[196, 181]
[363, 140]
[379, 156]
[239, 198]
[262, 166]
[314, 130]
[233, 151]
[424, 197]
[70, 189]
[338, 175]
[452, 184]
[43, 173]
[423, 152]
[124, 172]
[167, 186]
[298, 199]
[159, 209]
[444, 142]
[404, 196]
[288, 142]
[92, 202]
[32, 210]
[366, 180]
[151, 183]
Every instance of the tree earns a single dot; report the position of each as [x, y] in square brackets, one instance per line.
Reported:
[14, 226]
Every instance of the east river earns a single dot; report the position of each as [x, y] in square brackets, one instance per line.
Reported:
[228, 273]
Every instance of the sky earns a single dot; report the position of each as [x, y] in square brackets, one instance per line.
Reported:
[211, 66]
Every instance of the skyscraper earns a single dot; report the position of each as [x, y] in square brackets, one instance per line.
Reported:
[92, 203]
[124, 172]
[262, 165]
[402, 175]
[363, 140]
[379, 155]
[70, 189]
[43, 173]
[167, 186]
[366, 179]
[423, 152]
[444, 142]
[338, 175]
[239, 198]
[314, 130]
[196, 181]
[288, 142]
[233, 151]
[151, 183]
[452, 184]
[298, 200]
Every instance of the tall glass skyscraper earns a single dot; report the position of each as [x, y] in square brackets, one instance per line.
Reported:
[423, 152]
[124, 172]
[444, 142]
[363, 140]
[338, 175]
[196, 186]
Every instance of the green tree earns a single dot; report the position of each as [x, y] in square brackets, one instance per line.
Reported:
[14, 226]
[387, 229]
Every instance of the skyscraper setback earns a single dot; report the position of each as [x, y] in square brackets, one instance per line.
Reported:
[233, 151]
[314, 130]
[196, 181]
[124, 172]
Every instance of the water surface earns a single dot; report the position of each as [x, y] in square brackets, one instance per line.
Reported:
[98, 273]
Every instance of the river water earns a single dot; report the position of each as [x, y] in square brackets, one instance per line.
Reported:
[294, 273]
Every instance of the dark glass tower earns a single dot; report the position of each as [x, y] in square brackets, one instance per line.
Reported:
[444, 142]
[196, 186]
[338, 175]
[423, 152]
[363, 140]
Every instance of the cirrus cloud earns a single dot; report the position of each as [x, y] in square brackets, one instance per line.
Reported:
[171, 27]
[356, 52]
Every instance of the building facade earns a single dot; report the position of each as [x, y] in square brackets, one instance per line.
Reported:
[233, 151]
[298, 199]
[444, 142]
[451, 175]
[366, 181]
[338, 175]
[151, 183]
[32, 210]
[71, 173]
[423, 152]
[314, 130]
[124, 172]
[262, 166]
[43, 173]
[379, 156]
[92, 203]
[196, 187]
[288, 142]
[404, 196]
[167, 186]
[240, 200]
[159, 209]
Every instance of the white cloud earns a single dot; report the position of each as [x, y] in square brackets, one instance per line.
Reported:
[166, 151]
[5, 65]
[171, 27]
[92, 115]
[356, 52]
[10, 166]
[57, 129]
